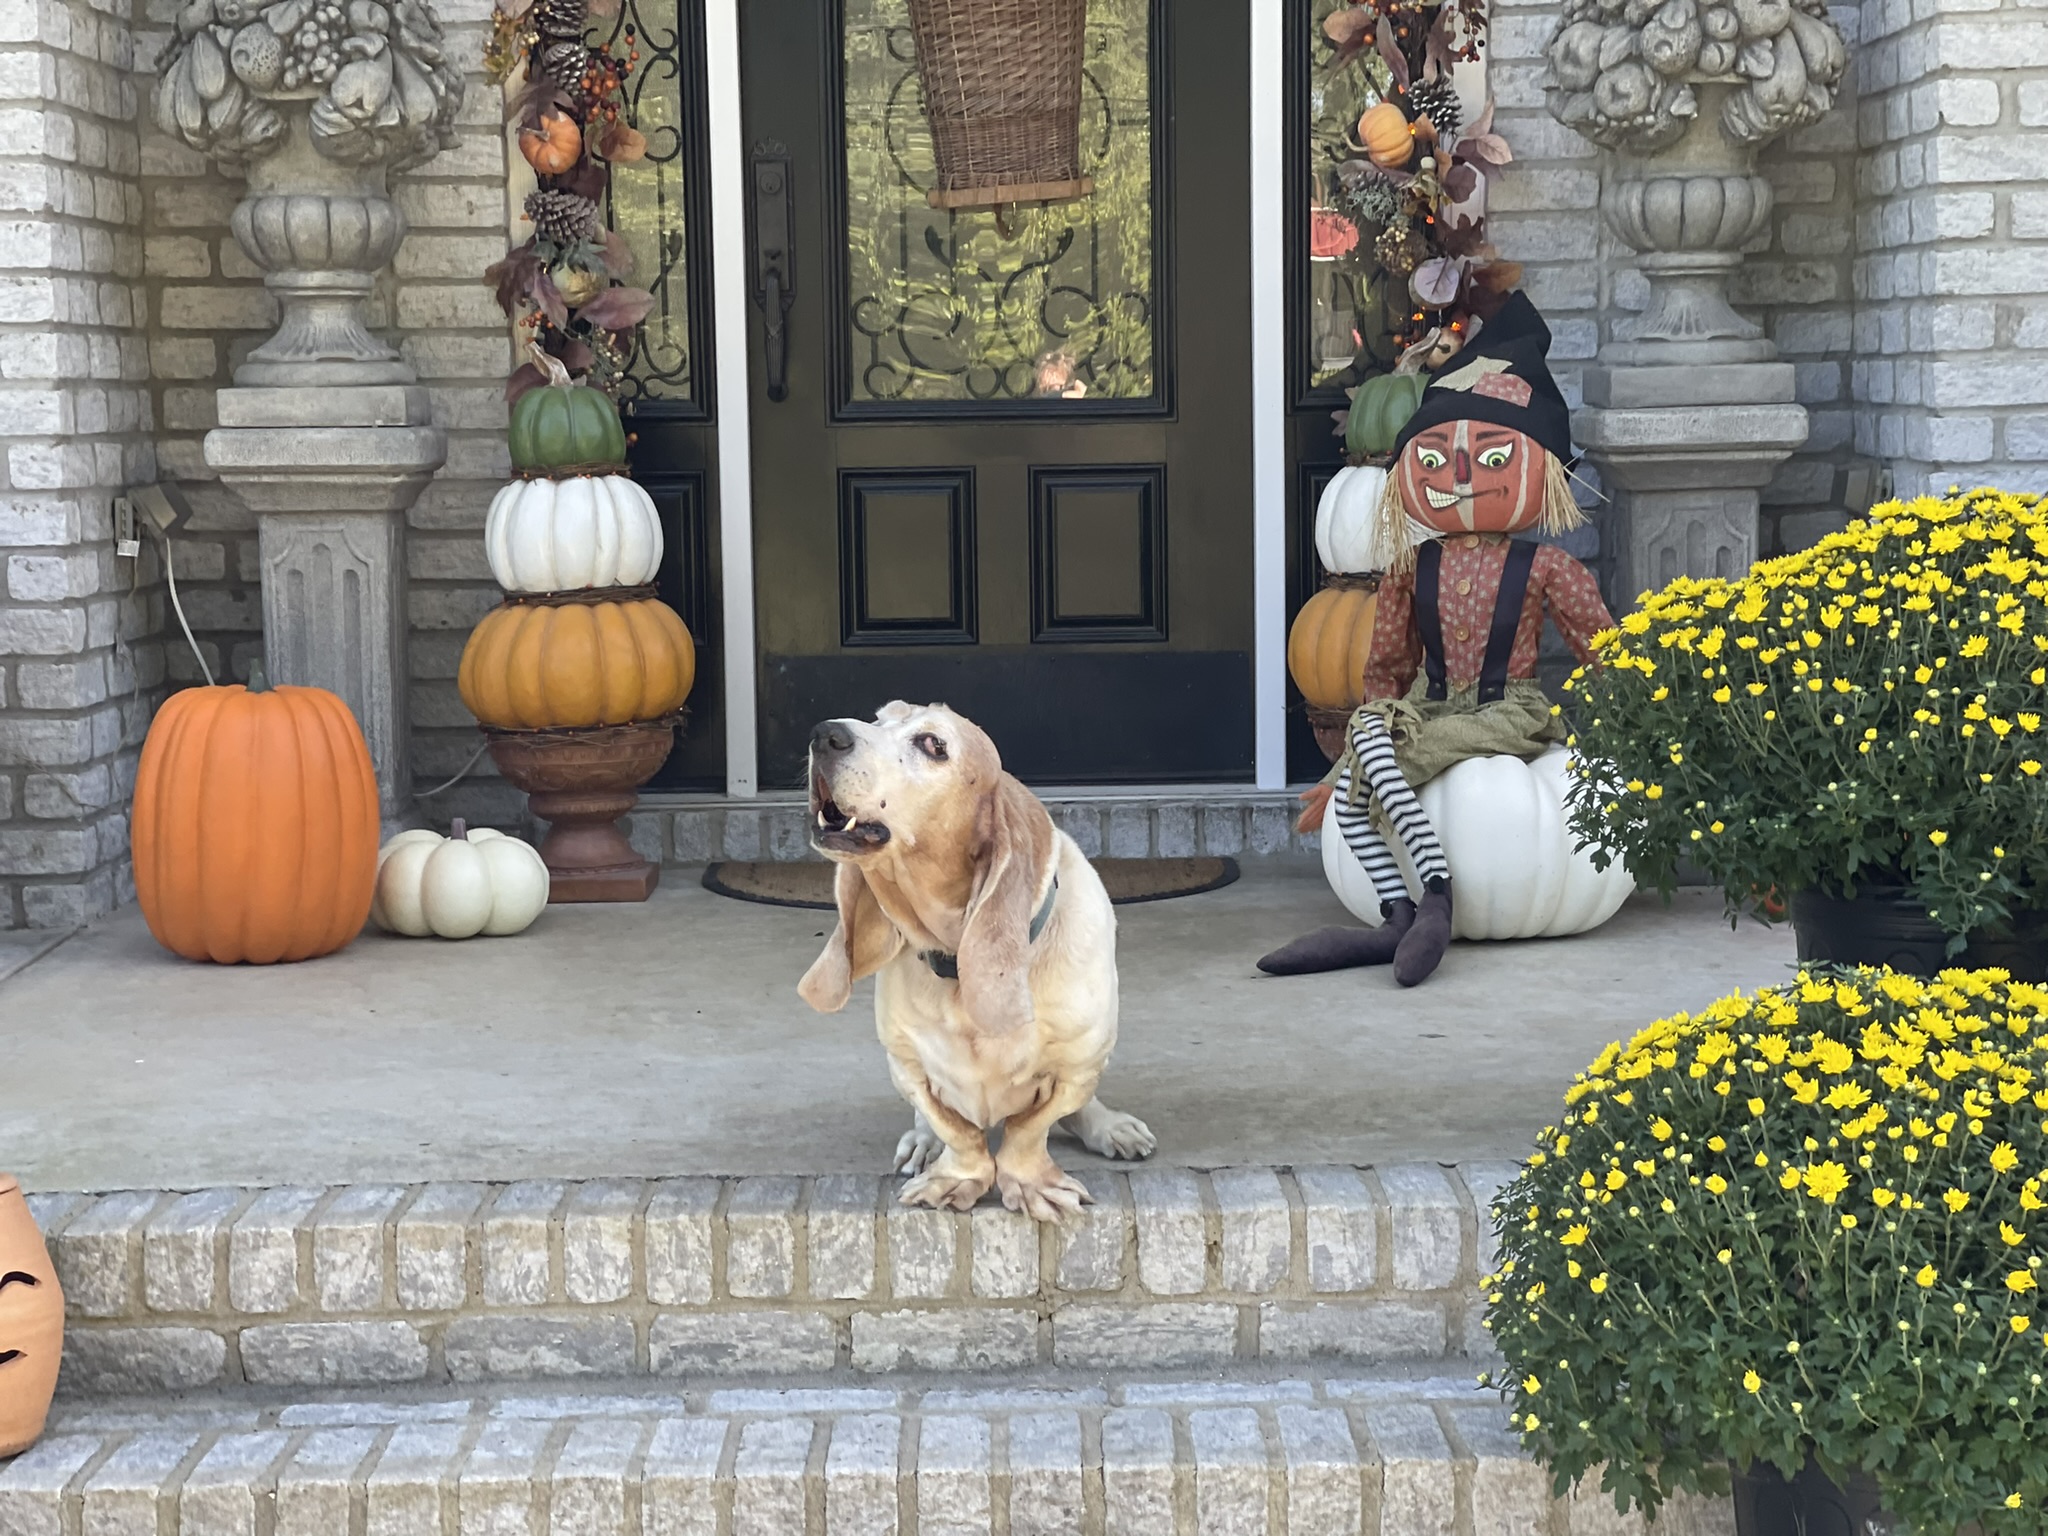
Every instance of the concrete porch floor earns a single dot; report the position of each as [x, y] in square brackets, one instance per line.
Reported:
[668, 1039]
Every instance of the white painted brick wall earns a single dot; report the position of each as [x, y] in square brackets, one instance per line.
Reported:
[80, 668]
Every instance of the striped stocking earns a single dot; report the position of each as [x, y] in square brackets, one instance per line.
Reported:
[1373, 745]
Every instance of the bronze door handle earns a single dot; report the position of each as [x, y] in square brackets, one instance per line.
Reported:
[774, 267]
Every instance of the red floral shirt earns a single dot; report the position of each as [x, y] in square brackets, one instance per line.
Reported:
[1468, 584]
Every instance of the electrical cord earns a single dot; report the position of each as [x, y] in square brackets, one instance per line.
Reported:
[460, 774]
[171, 580]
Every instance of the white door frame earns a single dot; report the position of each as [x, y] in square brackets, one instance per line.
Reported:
[731, 287]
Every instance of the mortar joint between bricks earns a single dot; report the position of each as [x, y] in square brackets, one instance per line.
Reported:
[800, 1253]
[223, 1237]
[1298, 1281]
[1470, 1219]
[721, 1250]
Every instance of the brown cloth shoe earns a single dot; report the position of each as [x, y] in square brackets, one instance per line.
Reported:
[1339, 949]
[1422, 947]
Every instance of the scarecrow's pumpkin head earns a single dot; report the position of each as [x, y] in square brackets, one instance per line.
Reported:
[1473, 476]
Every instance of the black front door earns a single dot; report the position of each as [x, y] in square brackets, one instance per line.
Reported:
[1002, 458]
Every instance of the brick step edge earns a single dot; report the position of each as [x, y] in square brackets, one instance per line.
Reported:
[386, 1283]
[1199, 1459]
[1236, 827]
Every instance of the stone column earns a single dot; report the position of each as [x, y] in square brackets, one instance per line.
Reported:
[326, 434]
[1689, 416]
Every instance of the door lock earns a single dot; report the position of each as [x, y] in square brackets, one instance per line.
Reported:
[774, 263]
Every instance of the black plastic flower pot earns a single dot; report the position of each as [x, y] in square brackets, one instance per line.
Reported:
[1885, 925]
[1811, 1504]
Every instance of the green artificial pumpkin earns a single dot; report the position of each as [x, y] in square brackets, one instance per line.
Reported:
[560, 424]
[1380, 410]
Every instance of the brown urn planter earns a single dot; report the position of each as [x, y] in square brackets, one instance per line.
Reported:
[31, 1323]
[581, 783]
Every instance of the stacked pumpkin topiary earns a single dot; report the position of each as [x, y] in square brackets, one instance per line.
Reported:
[1332, 634]
[579, 676]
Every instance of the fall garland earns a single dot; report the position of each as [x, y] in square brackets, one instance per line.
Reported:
[564, 284]
[1412, 181]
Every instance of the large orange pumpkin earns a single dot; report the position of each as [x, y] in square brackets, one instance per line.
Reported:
[534, 667]
[1328, 646]
[255, 828]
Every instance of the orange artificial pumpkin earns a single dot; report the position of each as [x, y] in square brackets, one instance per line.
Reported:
[31, 1324]
[535, 667]
[256, 825]
[1328, 646]
[553, 147]
[1388, 138]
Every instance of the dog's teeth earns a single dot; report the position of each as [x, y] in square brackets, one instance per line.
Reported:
[851, 823]
[821, 819]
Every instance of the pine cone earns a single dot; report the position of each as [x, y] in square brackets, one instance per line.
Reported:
[561, 18]
[562, 218]
[565, 62]
[1435, 100]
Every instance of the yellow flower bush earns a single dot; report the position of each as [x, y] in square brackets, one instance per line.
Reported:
[1868, 711]
[1818, 1218]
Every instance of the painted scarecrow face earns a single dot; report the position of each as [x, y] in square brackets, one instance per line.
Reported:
[1473, 477]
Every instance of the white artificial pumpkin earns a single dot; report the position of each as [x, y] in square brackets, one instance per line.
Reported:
[1516, 869]
[456, 887]
[568, 535]
[1349, 540]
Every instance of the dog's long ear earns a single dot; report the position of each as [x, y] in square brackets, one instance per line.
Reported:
[1014, 846]
[862, 942]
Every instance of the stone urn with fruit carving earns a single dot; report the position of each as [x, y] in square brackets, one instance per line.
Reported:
[326, 434]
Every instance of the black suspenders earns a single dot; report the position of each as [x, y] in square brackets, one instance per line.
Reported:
[1500, 639]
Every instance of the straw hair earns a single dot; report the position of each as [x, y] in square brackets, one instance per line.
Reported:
[1400, 537]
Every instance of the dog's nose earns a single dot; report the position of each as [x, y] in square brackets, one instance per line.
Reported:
[833, 738]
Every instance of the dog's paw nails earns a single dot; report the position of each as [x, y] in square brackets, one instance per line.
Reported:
[1129, 1138]
[944, 1191]
[1048, 1199]
[917, 1151]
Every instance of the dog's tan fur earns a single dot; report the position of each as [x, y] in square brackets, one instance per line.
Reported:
[1021, 1038]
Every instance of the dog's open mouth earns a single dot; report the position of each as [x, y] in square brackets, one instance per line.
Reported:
[839, 831]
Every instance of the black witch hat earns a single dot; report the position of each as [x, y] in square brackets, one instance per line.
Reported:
[1502, 375]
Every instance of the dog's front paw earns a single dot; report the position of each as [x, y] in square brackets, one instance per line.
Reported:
[1112, 1133]
[1044, 1194]
[947, 1187]
[919, 1149]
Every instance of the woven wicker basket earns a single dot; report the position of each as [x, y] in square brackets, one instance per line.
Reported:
[1002, 91]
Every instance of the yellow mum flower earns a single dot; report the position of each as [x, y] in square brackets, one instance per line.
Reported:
[1574, 1236]
[1927, 1276]
[1751, 1382]
[1716, 1185]
[2021, 1324]
[1531, 1385]
[1937, 838]
[2020, 1281]
[2011, 1235]
[1599, 1284]
[2003, 1158]
[1826, 1182]
[1955, 1200]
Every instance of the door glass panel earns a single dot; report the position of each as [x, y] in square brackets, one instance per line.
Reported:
[647, 200]
[948, 306]
[1348, 291]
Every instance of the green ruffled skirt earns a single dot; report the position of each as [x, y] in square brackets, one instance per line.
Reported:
[1431, 735]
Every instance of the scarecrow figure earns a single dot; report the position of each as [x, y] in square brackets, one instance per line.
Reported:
[1463, 604]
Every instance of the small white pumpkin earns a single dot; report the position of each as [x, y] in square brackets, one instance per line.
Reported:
[567, 535]
[475, 881]
[1516, 869]
[1349, 538]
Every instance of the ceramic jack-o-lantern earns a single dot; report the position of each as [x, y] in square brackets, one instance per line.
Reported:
[31, 1324]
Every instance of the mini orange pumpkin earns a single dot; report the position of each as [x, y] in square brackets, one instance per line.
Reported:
[1388, 138]
[1328, 646]
[554, 146]
[534, 667]
[255, 828]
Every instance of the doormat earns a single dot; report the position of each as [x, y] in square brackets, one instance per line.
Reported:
[1126, 880]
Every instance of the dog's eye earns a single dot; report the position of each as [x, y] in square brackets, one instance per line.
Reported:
[931, 746]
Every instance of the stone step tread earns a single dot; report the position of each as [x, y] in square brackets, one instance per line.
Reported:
[1065, 1456]
[173, 1290]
